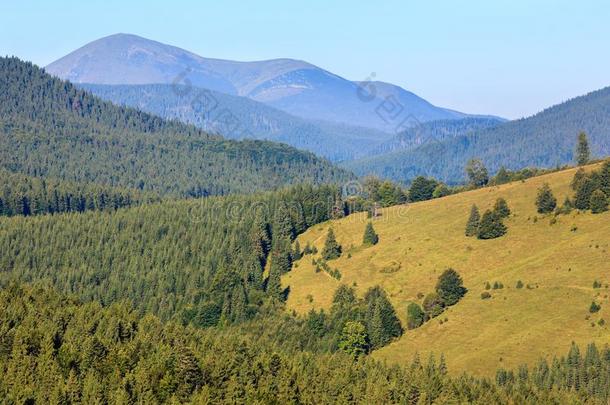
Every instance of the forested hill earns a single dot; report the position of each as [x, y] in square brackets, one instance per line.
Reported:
[546, 139]
[242, 118]
[49, 128]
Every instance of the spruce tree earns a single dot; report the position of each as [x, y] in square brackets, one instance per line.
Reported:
[381, 320]
[585, 188]
[370, 236]
[583, 153]
[501, 208]
[491, 226]
[545, 200]
[332, 249]
[502, 176]
[472, 226]
[599, 202]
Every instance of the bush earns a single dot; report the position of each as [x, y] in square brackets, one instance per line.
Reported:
[595, 307]
[487, 285]
[433, 305]
[545, 201]
[485, 295]
[597, 284]
[498, 285]
[519, 284]
[415, 316]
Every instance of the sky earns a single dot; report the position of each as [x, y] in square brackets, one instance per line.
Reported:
[507, 58]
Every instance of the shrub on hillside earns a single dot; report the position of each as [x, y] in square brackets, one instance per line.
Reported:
[433, 305]
[595, 307]
[415, 316]
[485, 295]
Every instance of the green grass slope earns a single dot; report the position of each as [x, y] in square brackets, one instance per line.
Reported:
[558, 261]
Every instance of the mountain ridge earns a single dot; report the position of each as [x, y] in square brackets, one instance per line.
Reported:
[294, 86]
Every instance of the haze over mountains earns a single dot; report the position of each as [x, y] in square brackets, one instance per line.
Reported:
[294, 86]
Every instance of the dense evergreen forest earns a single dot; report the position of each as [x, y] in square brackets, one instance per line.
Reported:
[54, 349]
[202, 258]
[48, 128]
[24, 195]
[514, 144]
[434, 131]
[240, 118]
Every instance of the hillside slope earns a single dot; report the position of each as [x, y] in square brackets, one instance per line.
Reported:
[49, 128]
[242, 118]
[558, 261]
[294, 86]
[546, 139]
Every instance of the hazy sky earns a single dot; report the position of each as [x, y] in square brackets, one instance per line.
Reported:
[510, 58]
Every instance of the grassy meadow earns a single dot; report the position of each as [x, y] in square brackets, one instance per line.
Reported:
[556, 262]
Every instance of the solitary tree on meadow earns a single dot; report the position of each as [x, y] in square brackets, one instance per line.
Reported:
[583, 153]
[332, 249]
[545, 201]
[370, 236]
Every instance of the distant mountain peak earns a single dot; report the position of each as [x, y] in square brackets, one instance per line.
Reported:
[291, 85]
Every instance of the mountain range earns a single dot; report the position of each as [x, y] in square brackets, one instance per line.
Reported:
[294, 86]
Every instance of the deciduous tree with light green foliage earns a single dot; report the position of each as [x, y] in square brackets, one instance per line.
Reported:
[477, 173]
[354, 340]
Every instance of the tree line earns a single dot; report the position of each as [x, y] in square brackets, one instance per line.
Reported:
[24, 195]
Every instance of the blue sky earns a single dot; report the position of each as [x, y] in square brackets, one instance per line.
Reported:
[510, 58]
